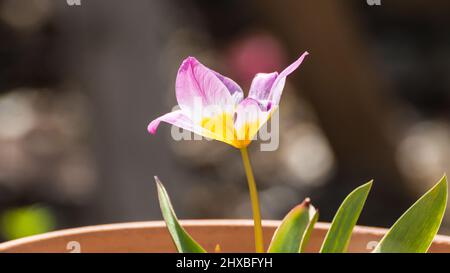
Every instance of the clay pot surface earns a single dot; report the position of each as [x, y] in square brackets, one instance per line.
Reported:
[232, 235]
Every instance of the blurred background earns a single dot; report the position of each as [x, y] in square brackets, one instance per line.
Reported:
[79, 84]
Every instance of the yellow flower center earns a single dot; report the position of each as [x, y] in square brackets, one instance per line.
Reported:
[221, 127]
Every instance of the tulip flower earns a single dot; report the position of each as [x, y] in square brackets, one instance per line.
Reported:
[213, 106]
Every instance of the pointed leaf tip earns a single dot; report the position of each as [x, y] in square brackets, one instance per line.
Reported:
[306, 202]
[340, 232]
[182, 240]
[415, 230]
[158, 183]
[293, 232]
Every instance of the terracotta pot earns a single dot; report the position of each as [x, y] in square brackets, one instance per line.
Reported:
[232, 235]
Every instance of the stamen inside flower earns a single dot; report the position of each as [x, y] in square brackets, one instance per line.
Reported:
[222, 127]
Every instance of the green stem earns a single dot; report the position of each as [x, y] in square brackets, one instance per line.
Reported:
[259, 242]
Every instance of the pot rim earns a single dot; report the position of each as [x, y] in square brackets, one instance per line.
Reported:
[186, 223]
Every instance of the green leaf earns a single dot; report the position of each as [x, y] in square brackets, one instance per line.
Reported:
[293, 232]
[183, 241]
[415, 229]
[309, 229]
[340, 232]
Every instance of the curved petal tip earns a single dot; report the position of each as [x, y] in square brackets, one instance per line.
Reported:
[153, 126]
[189, 60]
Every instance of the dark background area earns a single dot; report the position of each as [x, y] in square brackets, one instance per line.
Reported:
[79, 84]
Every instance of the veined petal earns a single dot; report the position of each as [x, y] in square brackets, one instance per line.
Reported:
[250, 117]
[198, 86]
[261, 85]
[234, 89]
[278, 85]
[221, 126]
[179, 119]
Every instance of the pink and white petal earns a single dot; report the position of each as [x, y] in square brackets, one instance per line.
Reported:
[179, 119]
[198, 86]
[261, 85]
[278, 85]
[234, 89]
[250, 117]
